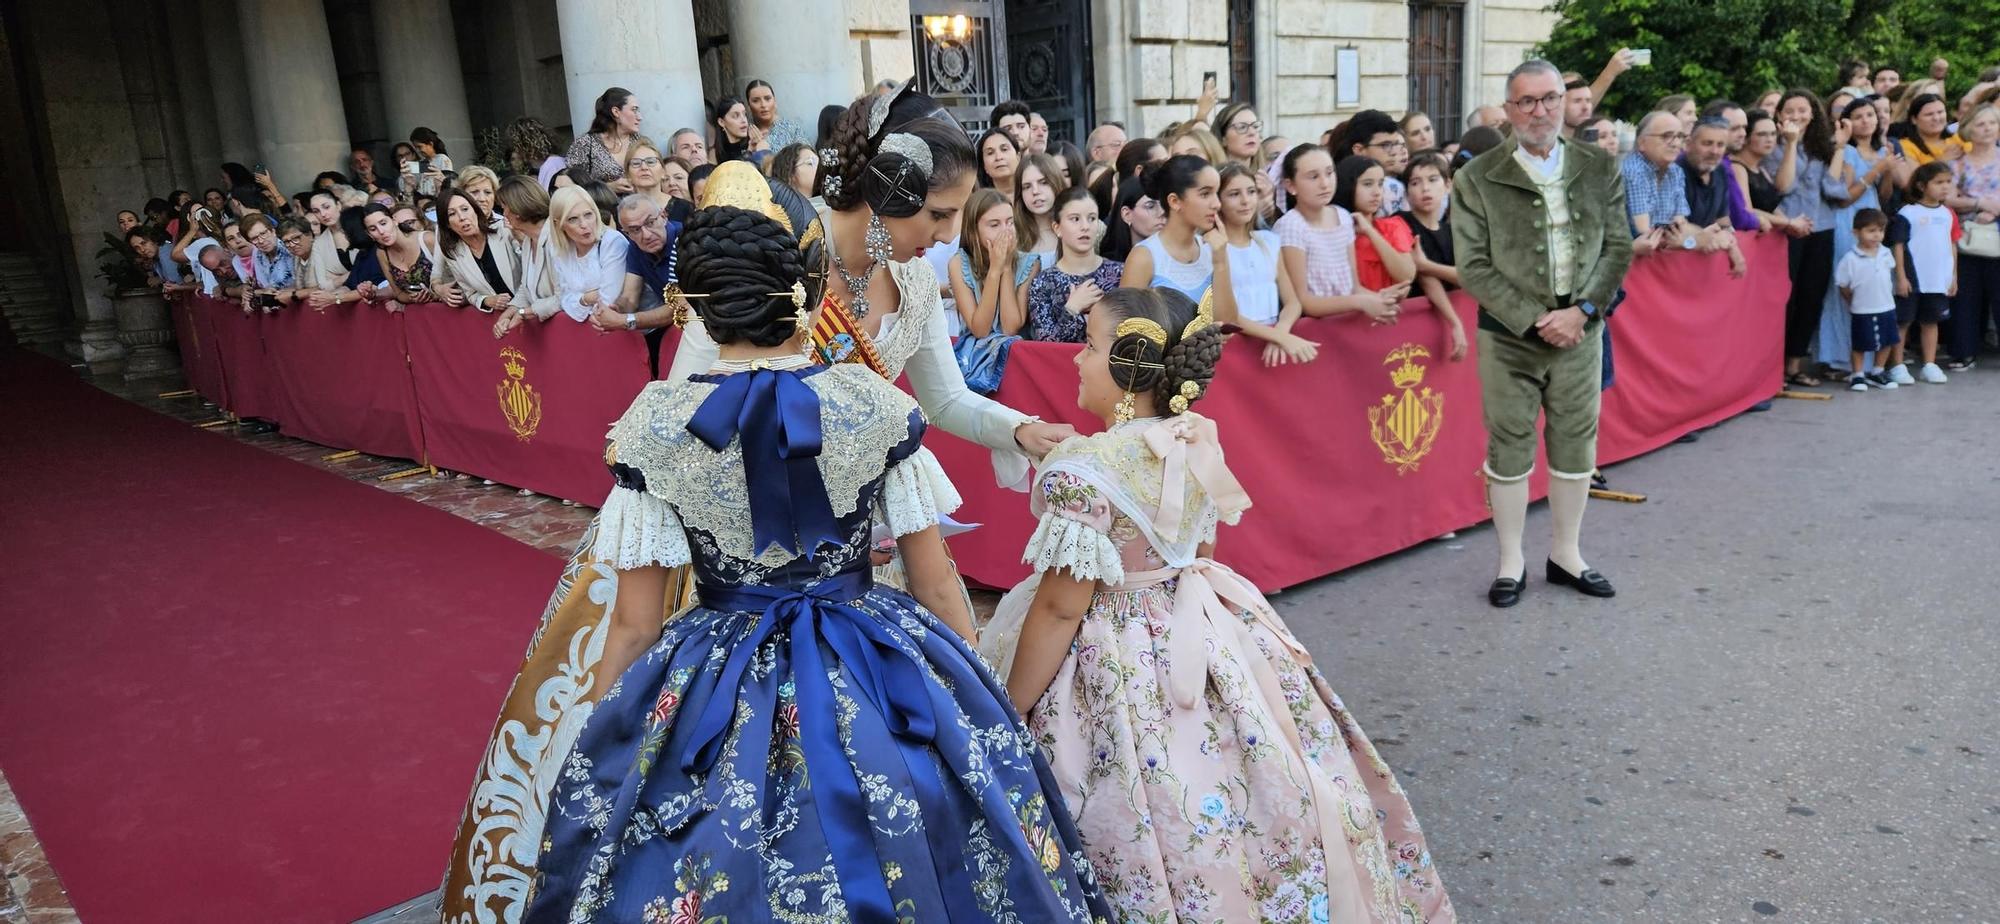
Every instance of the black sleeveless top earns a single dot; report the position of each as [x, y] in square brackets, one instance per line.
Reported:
[1764, 195]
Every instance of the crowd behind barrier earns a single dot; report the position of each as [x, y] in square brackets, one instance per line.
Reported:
[1371, 449]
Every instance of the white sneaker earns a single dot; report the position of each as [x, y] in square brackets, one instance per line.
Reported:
[1900, 374]
[1932, 374]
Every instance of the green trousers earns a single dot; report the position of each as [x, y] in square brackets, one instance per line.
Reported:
[1520, 378]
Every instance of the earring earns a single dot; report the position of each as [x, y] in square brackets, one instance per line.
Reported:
[1124, 411]
[876, 240]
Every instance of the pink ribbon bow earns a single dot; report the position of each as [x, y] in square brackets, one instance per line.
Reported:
[1186, 445]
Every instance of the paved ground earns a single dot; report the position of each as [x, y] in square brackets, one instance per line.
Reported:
[1789, 713]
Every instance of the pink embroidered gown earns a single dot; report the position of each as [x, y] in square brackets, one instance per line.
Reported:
[1213, 774]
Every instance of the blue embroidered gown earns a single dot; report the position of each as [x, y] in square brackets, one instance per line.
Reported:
[803, 745]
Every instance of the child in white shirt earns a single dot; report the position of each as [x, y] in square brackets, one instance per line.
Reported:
[1866, 277]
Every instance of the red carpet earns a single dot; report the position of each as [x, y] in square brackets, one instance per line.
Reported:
[236, 688]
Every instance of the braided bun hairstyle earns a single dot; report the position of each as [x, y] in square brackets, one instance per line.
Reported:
[890, 184]
[1140, 365]
[738, 259]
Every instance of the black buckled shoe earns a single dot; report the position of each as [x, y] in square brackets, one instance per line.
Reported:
[1506, 592]
[1589, 582]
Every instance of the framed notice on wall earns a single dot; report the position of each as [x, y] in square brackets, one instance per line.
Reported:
[1347, 77]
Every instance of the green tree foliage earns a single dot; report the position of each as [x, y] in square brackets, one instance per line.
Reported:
[1740, 48]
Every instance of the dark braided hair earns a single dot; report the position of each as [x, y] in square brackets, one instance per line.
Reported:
[894, 188]
[1139, 365]
[738, 259]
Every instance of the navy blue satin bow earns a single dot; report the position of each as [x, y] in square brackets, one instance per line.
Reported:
[889, 677]
[777, 416]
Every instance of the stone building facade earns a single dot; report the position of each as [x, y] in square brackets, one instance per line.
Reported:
[125, 99]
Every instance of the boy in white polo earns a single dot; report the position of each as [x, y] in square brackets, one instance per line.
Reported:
[1866, 276]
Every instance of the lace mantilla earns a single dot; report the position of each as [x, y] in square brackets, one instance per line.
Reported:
[916, 492]
[862, 418]
[636, 529]
[920, 308]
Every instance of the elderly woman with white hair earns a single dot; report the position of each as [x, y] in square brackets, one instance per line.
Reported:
[588, 255]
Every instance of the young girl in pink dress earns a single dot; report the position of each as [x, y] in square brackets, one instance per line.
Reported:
[1213, 774]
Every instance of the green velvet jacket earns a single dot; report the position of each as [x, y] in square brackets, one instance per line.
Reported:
[1499, 229]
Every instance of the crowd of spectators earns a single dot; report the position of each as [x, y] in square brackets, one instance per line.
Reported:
[1354, 221]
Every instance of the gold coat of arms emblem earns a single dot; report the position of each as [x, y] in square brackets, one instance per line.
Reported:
[1406, 422]
[520, 403]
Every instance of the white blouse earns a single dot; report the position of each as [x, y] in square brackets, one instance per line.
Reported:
[602, 269]
[1253, 277]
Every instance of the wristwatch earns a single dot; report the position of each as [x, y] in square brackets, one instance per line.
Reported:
[1589, 310]
[631, 322]
[1687, 243]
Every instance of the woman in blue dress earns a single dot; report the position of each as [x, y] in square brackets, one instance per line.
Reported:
[1869, 165]
[803, 745]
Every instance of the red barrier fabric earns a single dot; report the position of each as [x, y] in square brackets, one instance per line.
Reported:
[1372, 448]
[1376, 445]
[530, 410]
[1694, 345]
[247, 380]
[346, 374]
[201, 361]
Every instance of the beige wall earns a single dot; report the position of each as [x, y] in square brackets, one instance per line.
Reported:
[1511, 29]
[880, 48]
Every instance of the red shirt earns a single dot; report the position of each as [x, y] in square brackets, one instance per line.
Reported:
[1368, 268]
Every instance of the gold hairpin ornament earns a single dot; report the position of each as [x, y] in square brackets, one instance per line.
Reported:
[1204, 315]
[1189, 392]
[1144, 327]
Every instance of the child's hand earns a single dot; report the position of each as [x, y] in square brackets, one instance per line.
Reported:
[1951, 291]
[1082, 296]
[1902, 286]
[1455, 343]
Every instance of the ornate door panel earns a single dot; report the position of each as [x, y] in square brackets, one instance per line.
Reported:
[1437, 54]
[962, 63]
[1048, 62]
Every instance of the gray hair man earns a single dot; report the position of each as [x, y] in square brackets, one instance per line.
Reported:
[1542, 244]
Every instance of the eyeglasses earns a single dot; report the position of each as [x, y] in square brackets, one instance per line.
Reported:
[645, 162]
[262, 236]
[1245, 128]
[1670, 137]
[1531, 103]
[294, 241]
[1393, 144]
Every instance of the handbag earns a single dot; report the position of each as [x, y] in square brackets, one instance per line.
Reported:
[1980, 239]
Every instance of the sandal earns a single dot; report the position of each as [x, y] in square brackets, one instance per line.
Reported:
[1804, 380]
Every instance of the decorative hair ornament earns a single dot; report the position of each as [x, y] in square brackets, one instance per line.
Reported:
[1204, 316]
[910, 147]
[1122, 414]
[1189, 392]
[1145, 327]
[878, 112]
[829, 161]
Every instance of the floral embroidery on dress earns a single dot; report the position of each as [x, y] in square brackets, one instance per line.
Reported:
[1262, 800]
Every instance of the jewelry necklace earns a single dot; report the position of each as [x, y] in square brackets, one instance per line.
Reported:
[876, 242]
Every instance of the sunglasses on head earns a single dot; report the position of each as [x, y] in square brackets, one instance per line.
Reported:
[408, 227]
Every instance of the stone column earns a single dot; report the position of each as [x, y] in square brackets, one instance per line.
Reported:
[152, 107]
[645, 46]
[421, 82]
[93, 156]
[188, 50]
[235, 129]
[801, 49]
[294, 90]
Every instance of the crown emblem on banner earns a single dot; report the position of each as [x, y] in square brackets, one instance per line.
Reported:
[520, 403]
[1406, 422]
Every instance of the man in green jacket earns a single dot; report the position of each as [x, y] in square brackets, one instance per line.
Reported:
[1542, 243]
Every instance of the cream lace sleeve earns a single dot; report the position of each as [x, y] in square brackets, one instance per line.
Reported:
[916, 493]
[636, 529]
[1073, 534]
